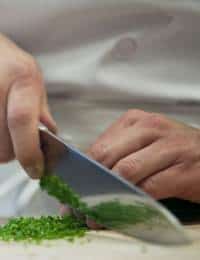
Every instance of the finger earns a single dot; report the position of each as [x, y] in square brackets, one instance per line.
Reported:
[93, 225]
[65, 210]
[47, 119]
[165, 184]
[127, 141]
[99, 149]
[24, 104]
[6, 149]
[153, 158]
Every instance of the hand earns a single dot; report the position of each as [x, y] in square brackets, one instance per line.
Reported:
[159, 155]
[23, 104]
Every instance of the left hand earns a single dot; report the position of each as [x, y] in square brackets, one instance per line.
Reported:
[159, 155]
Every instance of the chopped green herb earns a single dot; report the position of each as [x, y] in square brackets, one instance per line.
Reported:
[113, 213]
[117, 215]
[58, 189]
[43, 228]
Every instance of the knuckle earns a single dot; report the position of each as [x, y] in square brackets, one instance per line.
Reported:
[178, 144]
[156, 121]
[127, 168]
[151, 187]
[18, 118]
[130, 116]
[177, 141]
[190, 147]
[99, 152]
[26, 69]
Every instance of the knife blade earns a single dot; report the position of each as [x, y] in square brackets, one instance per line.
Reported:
[118, 204]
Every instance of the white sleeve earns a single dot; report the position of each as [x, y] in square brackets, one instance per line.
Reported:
[19, 195]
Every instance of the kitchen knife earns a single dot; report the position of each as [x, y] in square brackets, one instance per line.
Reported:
[118, 204]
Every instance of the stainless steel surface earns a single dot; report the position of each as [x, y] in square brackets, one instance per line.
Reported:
[97, 185]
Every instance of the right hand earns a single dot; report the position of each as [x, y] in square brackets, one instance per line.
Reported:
[23, 104]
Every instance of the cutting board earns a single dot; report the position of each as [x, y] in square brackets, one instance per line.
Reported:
[101, 245]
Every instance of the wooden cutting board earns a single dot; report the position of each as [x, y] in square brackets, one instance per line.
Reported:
[101, 245]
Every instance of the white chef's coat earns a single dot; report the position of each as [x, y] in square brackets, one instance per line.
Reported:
[100, 58]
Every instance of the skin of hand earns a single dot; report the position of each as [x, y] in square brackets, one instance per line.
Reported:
[158, 154]
[23, 104]
[65, 210]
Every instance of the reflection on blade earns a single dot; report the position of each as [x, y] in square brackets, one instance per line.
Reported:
[109, 199]
[138, 218]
